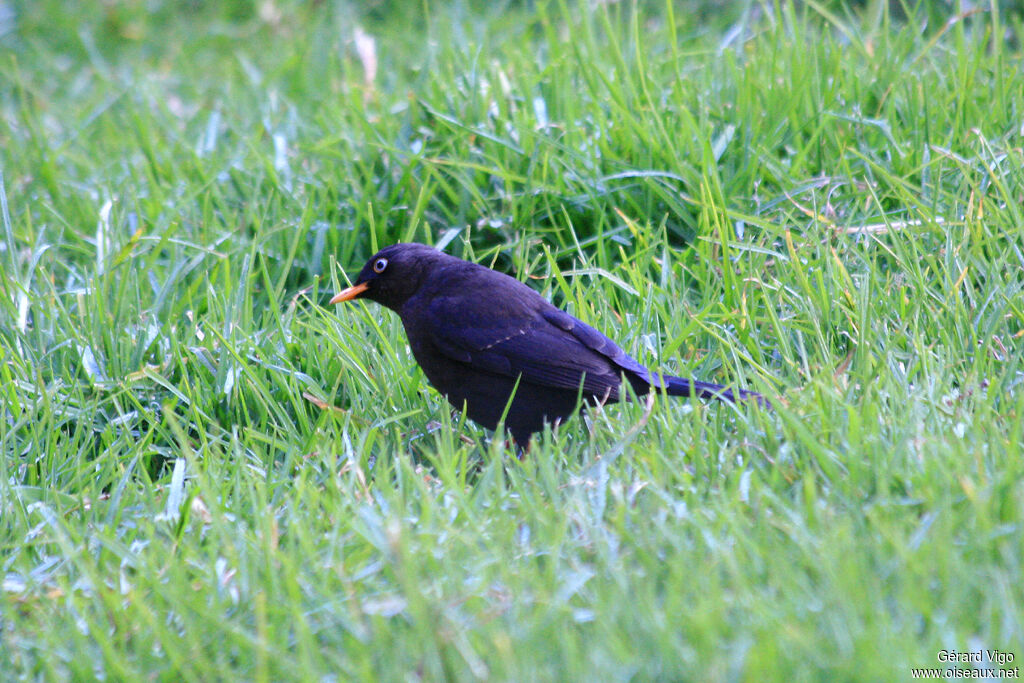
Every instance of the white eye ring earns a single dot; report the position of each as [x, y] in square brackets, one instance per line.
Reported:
[379, 265]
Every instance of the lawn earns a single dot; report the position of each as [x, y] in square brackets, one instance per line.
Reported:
[207, 473]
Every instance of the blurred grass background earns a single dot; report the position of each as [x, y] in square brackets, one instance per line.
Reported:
[206, 474]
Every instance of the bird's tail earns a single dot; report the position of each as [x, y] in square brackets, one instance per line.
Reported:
[679, 386]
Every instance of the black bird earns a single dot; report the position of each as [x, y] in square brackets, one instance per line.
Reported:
[480, 335]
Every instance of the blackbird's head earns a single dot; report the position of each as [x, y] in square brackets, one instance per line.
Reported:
[392, 275]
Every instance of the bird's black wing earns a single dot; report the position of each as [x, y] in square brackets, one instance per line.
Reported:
[597, 342]
[544, 345]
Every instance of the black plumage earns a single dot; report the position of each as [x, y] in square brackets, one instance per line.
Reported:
[476, 333]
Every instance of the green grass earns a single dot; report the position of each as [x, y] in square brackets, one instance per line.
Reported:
[206, 473]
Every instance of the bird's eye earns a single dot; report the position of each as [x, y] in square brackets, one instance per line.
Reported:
[379, 265]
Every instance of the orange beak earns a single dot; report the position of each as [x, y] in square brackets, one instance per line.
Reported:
[349, 294]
